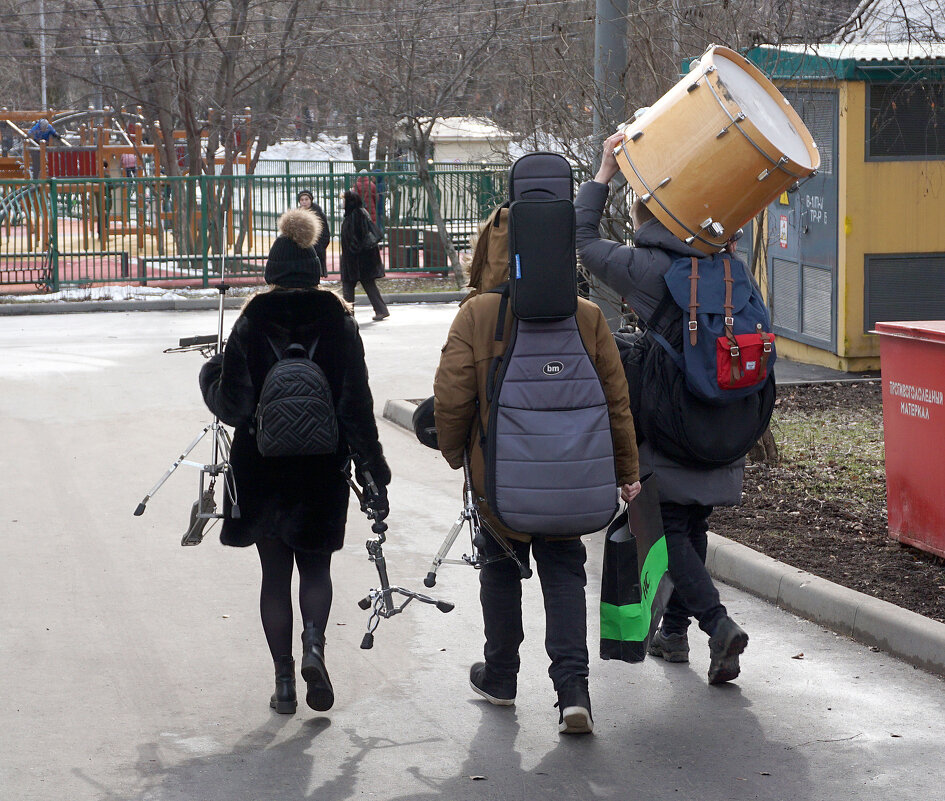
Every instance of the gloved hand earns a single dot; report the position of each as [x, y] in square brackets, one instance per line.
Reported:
[375, 490]
[379, 503]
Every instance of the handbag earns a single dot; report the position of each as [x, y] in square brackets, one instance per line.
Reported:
[372, 233]
[635, 582]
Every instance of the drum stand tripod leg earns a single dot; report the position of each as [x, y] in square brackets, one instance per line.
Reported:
[177, 463]
[470, 516]
[440, 557]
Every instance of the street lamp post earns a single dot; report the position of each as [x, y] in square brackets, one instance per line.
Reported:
[42, 50]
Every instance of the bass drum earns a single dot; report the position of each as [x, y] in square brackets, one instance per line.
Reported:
[715, 150]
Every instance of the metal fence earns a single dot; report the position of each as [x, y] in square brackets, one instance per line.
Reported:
[179, 231]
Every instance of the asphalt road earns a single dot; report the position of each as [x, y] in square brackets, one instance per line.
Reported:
[133, 669]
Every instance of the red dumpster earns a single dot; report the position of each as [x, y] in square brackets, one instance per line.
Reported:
[912, 357]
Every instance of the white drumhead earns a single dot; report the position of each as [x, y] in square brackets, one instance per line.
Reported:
[763, 110]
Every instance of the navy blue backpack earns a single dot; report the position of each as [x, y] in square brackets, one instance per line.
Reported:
[702, 391]
[728, 348]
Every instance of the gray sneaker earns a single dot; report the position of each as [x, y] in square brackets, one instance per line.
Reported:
[726, 643]
[672, 647]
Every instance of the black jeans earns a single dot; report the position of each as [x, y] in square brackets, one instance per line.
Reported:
[695, 595]
[370, 289]
[560, 566]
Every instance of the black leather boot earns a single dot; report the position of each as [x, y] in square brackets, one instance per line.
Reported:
[319, 694]
[283, 699]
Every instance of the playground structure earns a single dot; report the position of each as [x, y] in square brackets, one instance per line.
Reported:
[100, 208]
[112, 194]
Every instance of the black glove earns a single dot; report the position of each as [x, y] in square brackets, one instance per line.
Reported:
[379, 503]
[375, 490]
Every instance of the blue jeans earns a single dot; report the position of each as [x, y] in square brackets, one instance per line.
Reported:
[695, 595]
[560, 565]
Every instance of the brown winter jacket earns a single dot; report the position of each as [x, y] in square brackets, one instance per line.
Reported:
[470, 348]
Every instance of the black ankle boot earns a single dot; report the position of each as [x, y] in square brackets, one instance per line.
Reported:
[283, 699]
[319, 695]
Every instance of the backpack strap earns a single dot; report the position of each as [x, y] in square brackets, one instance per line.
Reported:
[499, 335]
[279, 353]
[729, 322]
[502, 289]
[503, 309]
[275, 348]
[766, 340]
[694, 302]
[665, 303]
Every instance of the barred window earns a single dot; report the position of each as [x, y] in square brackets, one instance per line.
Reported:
[906, 121]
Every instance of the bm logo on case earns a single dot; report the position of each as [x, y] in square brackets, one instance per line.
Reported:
[553, 368]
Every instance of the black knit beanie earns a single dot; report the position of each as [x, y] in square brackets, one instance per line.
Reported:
[292, 262]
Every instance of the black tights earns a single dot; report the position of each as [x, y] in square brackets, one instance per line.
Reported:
[275, 597]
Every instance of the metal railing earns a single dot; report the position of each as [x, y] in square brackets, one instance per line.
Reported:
[174, 231]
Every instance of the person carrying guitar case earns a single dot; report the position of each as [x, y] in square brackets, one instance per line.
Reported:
[525, 365]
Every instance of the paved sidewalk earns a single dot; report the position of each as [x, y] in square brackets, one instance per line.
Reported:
[136, 670]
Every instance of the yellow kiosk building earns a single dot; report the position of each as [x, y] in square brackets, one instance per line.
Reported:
[864, 239]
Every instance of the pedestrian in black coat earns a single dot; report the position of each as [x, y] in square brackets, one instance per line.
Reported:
[306, 200]
[360, 261]
[294, 508]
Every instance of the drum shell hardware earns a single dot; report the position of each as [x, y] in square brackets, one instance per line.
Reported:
[702, 163]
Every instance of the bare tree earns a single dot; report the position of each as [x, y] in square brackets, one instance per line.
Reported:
[421, 63]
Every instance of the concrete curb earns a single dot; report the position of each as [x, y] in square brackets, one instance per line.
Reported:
[400, 412]
[911, 637]
[196, 304]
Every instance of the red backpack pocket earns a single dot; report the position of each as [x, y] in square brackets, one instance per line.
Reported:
[744, 361]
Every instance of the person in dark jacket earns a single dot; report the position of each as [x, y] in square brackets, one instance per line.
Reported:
[306, 200]
[294, 508]
[360, 261]
[687, 494]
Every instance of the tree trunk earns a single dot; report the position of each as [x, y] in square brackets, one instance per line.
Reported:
[427, 182]
[765, 450]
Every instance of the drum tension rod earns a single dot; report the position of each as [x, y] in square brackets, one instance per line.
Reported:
[737, 119]
[715, 229]
[695, 84]
[646, 198]
[765, 173]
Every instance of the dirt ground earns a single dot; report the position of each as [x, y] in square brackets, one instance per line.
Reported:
[822, 508]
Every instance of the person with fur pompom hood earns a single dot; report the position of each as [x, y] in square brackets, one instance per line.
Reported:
[294, 508]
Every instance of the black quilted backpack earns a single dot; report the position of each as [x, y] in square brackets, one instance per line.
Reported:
[296, 413]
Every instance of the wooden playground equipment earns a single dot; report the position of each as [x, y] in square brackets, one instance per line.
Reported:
[102, 144]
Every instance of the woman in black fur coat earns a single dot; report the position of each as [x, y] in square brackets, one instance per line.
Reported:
[293, 508]
[360, 261]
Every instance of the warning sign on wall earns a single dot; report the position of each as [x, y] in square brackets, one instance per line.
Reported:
[783, 230]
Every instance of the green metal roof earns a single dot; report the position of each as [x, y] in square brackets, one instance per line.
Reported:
[903, 62]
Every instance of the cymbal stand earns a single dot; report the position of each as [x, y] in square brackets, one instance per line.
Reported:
[204, 508]
[382, 599]
[469, 518]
